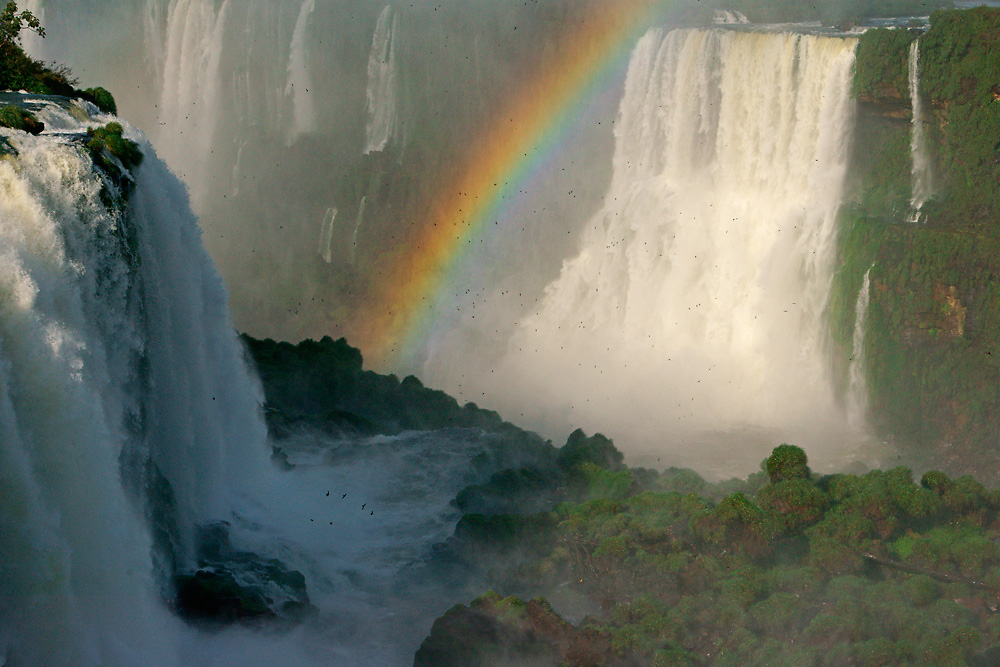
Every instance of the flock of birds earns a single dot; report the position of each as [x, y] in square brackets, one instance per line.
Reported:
[343, 497]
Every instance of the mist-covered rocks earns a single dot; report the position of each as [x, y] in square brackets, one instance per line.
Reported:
[231, 585]
[322, 384]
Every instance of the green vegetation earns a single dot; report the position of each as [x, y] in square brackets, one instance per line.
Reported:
[931, 347]
[961, 77]
[322, 384]
[18, 119]
[108, 140]
[101, 98]
[18, 71]
[882, 72]
[872, 569]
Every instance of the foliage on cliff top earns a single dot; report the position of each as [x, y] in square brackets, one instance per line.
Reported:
[824, 570]
[323, 384]
[17, 70]
[881, 70]
[960, 66]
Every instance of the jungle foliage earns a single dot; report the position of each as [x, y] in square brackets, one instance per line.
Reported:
[792, 569]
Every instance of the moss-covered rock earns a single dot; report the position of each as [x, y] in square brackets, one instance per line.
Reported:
[230, 585]
[108, 140]
[101, 98]
[932, 354]
[882, 73]
[17, 118]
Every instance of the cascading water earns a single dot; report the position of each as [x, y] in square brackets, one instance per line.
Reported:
[352, 250]
[697, 300]
[857, 389]
[190, 84]
[116, 353]
[300, 84]
[922, 186]
[326, 235]
[381, 93]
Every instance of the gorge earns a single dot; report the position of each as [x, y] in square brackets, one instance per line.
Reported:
[715, 240]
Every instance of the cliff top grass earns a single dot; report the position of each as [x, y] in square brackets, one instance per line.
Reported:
[17, 118]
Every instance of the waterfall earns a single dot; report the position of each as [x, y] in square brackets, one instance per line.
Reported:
[699, 290]
[922, 186]
[326, 234]
[115, 348]
[189, 97]
[352, 251]
[300, 85]
[381, 94]
[729, 17]
[857, 391]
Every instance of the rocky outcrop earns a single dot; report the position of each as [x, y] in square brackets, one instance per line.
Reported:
[230, 585]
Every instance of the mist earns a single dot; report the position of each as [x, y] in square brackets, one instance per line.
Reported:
[315, 137]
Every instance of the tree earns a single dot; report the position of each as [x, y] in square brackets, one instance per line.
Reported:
[12, 23]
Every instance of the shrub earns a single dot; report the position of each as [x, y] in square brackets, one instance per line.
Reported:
[787, 462]
[109, 138]
[102, 98]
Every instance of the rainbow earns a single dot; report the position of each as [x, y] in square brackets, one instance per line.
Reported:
[522, 137]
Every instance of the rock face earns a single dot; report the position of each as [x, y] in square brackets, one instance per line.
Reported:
[321, 384]
[238, 586]
[932, 349]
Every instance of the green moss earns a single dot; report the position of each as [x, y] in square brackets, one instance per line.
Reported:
[834, 558]
[675, 657]
[881, 70]
[781, 614]
[931, 344]
[102, 98]
[747, 587]
[17, 118]
[928, 337]
[511, 609]
[921, 590]
[108, 139]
